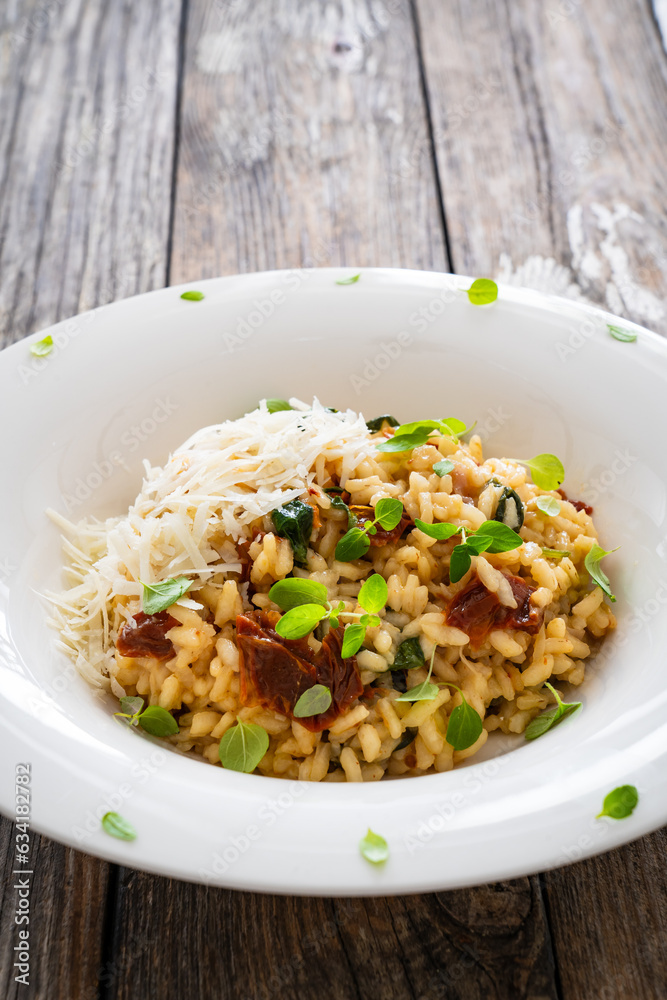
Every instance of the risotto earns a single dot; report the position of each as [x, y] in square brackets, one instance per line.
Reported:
[309, 596]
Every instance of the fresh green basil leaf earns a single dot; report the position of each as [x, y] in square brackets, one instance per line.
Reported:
[426, 691]
[276, 405]
[349, 281]
[551, 717]
[555, 553]
[477, 544]
[454, 428]
[293, 591]
[192, 296]
[421, 427]
[459, 563]
[353, 639]
[243, 746]
[114, 824]
[443, 468]
[592, 564]
[294, 521]
[503, 539]
[353, 545]
[160, 596]
[619, 333]
[300, 621]
[464, 727]
[40, 348]
[374, 848]
[482, 292]
[441, 530]
[373, 594]
[158, 721]
[388, 513]
[377, 423]
[620, 803]
[131, 704]
[547, 471]
[548, 505]
[403, 442]
[409, 655]
[370, 621]
[314, 701]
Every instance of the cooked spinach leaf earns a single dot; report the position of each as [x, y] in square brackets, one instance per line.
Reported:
[407, 738]
[409, 655]
[294, 521]
[510, 509]
[376, 423]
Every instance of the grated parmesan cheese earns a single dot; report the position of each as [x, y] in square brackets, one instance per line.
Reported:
[192, 510]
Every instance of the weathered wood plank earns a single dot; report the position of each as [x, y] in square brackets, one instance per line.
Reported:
[297, 122]
[608, 919]
[550, 142]
[67, 901]
[86, 155]
[301, 138]
[549, 146]
[460, 945]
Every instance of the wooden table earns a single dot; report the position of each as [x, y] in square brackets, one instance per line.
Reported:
[161, 141]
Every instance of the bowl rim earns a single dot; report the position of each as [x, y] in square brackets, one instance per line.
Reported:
[360, 878]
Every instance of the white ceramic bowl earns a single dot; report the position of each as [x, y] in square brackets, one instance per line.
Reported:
[134, 379]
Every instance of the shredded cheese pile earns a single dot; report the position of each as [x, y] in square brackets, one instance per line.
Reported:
[190, 512]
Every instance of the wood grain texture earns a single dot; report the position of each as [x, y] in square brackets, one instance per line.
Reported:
[67, 903]
[86, 158]
[608, 919]
[297, 120]
[304, 141]
[491, 942]
[302, 137]
[86, 155]
[548, 144]
[550, 141]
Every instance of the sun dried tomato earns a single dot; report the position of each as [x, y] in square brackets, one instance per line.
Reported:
[577, 504]
[382, 536]
[275, 672]
[146, 637]
[476, 611]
